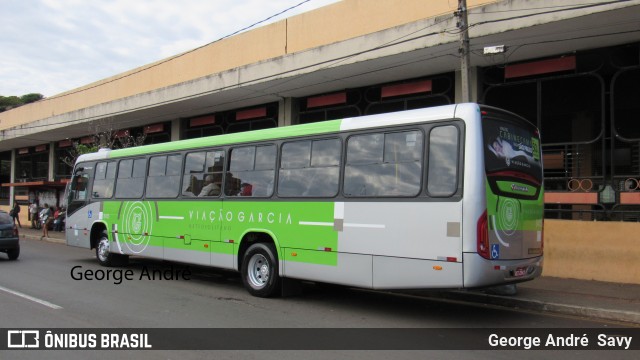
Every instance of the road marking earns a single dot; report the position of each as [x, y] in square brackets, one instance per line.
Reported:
[28, 297]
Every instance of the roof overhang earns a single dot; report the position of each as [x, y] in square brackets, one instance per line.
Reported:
[413, 50]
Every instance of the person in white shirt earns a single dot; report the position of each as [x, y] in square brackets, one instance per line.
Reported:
[209, 188]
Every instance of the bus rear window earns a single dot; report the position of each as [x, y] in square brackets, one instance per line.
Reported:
[511, 147]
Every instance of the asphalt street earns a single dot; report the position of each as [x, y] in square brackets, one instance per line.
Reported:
[55, 286]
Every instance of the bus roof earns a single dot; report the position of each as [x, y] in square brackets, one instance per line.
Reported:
[325, 127]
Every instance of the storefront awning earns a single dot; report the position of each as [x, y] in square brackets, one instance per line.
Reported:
[60, 183]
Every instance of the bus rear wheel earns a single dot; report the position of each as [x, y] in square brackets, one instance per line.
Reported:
[260, 270]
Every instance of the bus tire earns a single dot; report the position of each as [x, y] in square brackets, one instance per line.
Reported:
[260, 270]
[105, 256]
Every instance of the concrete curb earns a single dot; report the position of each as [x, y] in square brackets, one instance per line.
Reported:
[47, 239]
[540, 306]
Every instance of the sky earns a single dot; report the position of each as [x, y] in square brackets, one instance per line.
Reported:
[52, 46]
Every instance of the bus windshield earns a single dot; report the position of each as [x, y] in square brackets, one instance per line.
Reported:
[511, 146]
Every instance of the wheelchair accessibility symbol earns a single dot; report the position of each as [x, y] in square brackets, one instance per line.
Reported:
[495, 251]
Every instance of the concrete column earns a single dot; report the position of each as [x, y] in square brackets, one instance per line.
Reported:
[175, 130]
[12, 176]
[287, 112]
[475, 85]
[52, 162]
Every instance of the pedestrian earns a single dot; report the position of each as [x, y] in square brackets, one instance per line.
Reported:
[15, 213]
[59, 225]
[45, 215]
[33, 212]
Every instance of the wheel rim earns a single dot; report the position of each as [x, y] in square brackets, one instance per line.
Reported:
[259, 271]
[103, 249]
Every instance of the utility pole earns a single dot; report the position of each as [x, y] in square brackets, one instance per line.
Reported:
[463, 26]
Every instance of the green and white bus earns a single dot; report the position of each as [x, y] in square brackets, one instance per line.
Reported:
[443, 197]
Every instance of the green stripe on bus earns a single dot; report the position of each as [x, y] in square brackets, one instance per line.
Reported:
[189, 225]
[229, 139]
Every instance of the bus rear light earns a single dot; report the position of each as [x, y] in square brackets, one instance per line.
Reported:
[483, 236]
[452, 259]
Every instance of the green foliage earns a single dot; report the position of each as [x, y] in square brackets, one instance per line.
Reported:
[10, 102]
[29, 98]
[78, 149]
[108, 139]
[82, 149]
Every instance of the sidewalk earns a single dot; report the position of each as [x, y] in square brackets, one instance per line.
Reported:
[591, 299]
[585, 298]
[32, 234]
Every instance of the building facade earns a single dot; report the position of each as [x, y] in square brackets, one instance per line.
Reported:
[571, 68]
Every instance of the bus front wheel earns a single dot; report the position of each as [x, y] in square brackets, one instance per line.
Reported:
[260, 270]
[105, 256]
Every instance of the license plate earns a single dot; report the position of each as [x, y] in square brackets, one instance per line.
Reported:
[521, 271]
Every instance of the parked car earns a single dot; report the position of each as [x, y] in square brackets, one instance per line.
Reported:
[9, 240]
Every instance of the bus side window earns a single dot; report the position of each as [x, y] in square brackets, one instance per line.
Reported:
[104, 180]
[203, 174]
[384, 164]
[443, 161]
[251, 171]
[130, 181]
[163, 180]
[310, 168]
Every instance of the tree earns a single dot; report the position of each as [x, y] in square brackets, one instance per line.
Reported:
[10, 102]
[29, 98]
[104, 137]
